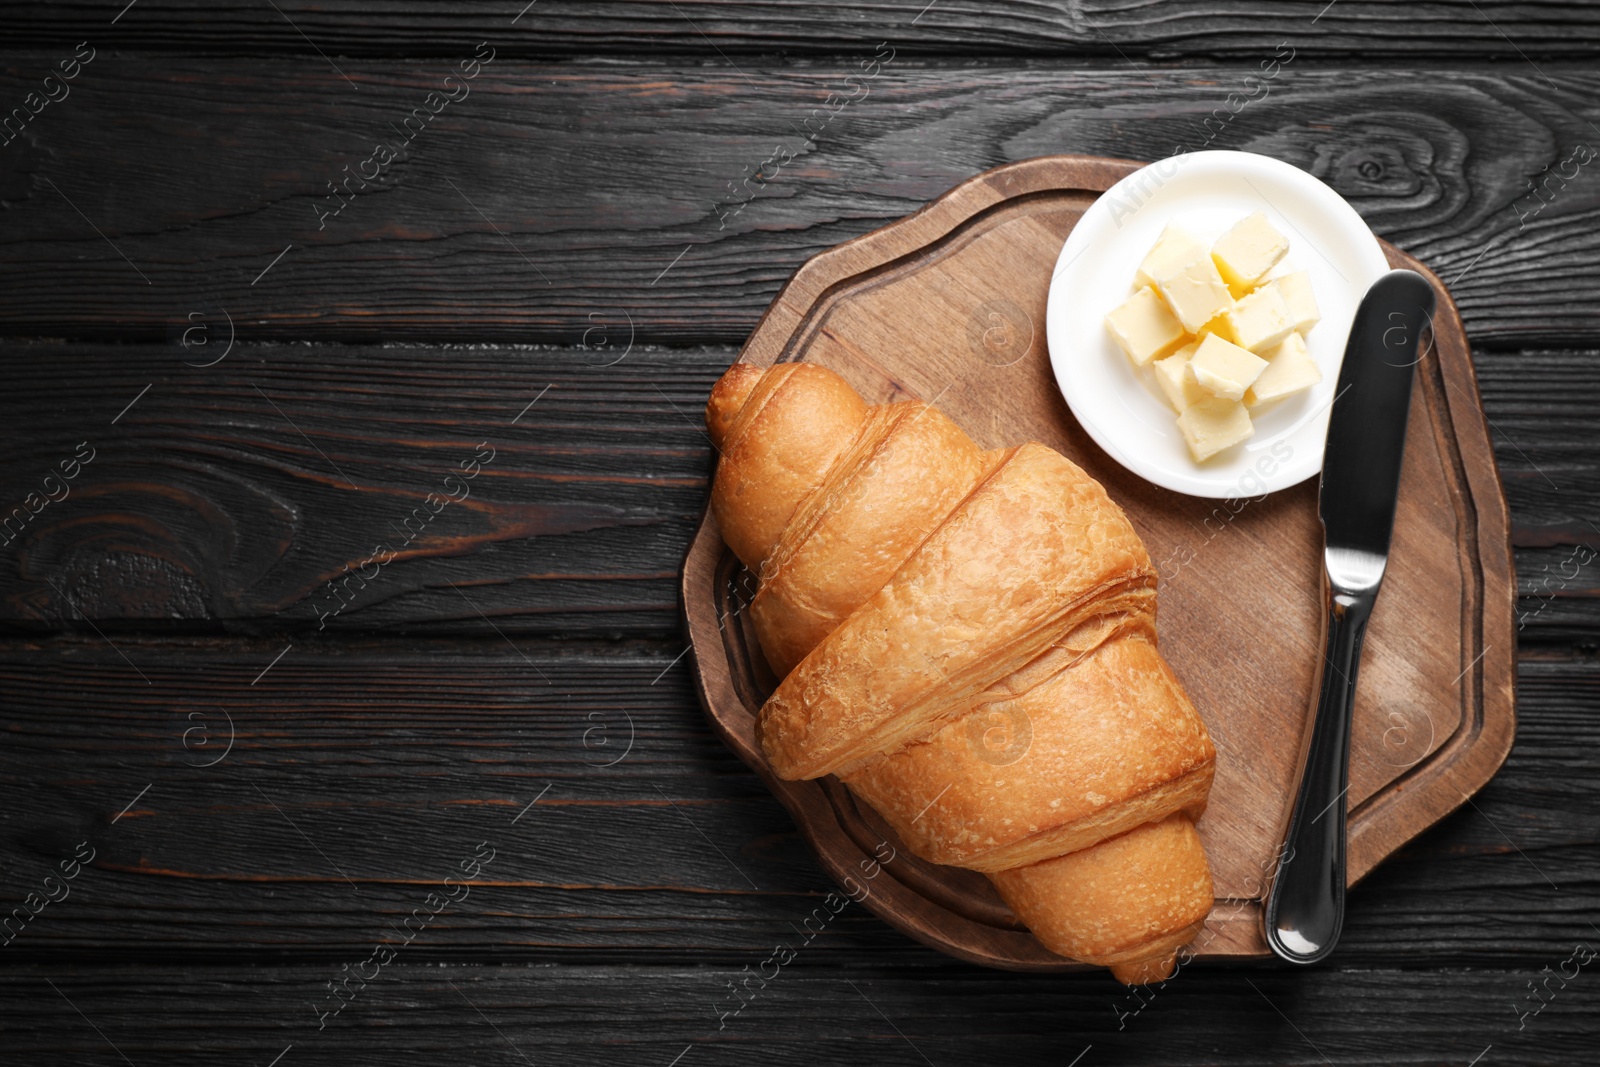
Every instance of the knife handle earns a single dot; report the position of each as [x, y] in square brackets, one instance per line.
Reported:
[1305, 907]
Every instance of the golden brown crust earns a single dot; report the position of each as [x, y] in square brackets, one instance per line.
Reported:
[908, 467]
[727, 398]
[1035, 550]
[1108, 742]
[1125, 900]
[795, 421]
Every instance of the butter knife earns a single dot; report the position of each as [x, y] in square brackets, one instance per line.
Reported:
[1360, 485]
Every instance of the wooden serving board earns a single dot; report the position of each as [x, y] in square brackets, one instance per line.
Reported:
[948, 305]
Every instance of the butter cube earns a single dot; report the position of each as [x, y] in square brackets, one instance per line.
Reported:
[1290, 369]
[1172, 374]
[1144, 327]
[1245, 253]
[1299, 299]
[1260, 320]
[1212, 425]
[1196, 293]
[1175, 249]
[1218, 326]
[1224, 369]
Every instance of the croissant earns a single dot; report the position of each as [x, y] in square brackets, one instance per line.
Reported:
[921, 598]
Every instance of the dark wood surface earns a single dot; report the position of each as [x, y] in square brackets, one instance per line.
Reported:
[557, 199]
[374, 755]
[1164, 28]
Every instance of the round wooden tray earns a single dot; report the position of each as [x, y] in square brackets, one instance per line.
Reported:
[948, 305]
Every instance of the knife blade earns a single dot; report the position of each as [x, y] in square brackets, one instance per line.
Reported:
[1360, 488]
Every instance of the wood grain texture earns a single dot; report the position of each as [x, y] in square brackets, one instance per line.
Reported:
[388, 760]
[813, 1012]
[253, 494]
[1240, 596]
[557, 196]
[553, 27]
[1538, 420]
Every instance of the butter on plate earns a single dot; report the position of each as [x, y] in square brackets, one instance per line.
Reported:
[1173, 249]
[1299, 299]
[1223, 369]
[1213, 425]
[1145, 327]
[1260, 320]
[1289, 369]
[1172, 375]
[1221, 329]
[1196, 292]
[1247, 251]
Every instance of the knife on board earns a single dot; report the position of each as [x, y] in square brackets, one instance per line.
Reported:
[1359, 490]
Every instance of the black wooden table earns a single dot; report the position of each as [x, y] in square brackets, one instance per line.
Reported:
[353, 364]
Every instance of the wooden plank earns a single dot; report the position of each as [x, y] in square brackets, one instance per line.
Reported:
[1541, 423]
[387, 763]
[204, 507]
[256, 493]
[1537, 422]
[825, 1007]
[1240, 27]
[557, 196]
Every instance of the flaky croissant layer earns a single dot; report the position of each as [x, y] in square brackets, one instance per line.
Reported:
[967, 639]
